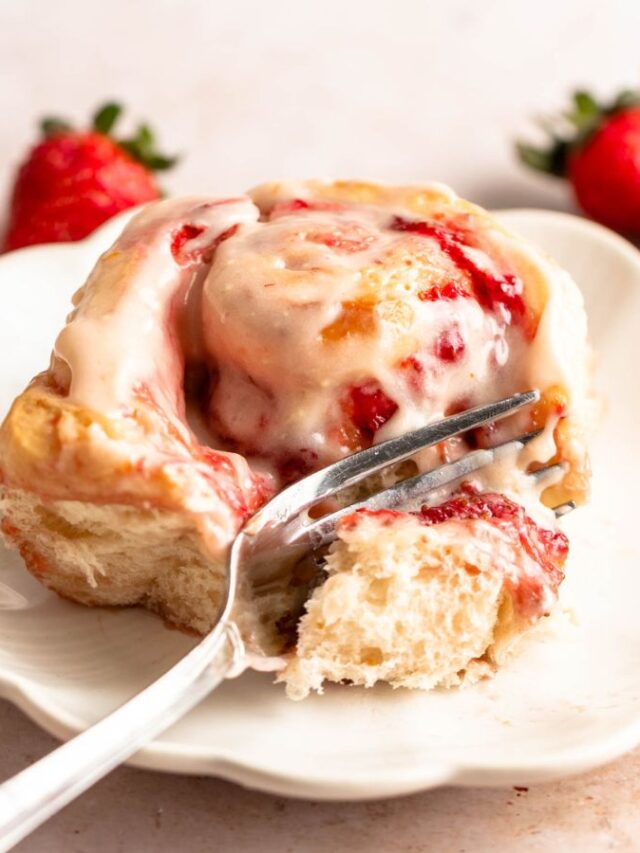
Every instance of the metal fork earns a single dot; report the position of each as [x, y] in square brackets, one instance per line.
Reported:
[41, 790]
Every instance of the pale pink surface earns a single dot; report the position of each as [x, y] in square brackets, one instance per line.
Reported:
[140, 810]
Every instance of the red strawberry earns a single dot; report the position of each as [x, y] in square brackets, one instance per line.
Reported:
[597, 147]
[72, 181]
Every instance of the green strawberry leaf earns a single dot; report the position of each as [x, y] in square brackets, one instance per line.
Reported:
[585, 104]
[106, 117]
[585, 115]
[53, 126]
[145, 140]
[142, 148]
[552, 161]
[158, 163]
[627, 98]
[131, 147]
[536, 158]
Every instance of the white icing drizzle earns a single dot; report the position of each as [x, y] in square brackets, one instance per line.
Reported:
[294, 310]
[118, 337]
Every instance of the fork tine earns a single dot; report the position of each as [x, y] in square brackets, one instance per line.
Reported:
[564, 509]
[407, 494]
[548, 472]
[352, 469]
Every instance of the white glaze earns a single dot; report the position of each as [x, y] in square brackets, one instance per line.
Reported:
[271, 293]
[117, 341]
[258, 315]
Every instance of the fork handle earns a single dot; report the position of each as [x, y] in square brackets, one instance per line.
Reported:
[41, 790]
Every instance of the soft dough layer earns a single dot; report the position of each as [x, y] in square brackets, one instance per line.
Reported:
[117, 555]
[426, 600]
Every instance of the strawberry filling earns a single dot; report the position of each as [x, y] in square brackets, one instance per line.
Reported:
[369, 408]
[450, 345]
[492, 291]
[547, 549]
[223, 477]
[188, 250]
[296, 205]
[269, 291]
[181, 237]
[413, 371]
[450, 290]
[297, 466]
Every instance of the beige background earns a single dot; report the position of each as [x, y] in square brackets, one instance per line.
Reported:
[250, 90]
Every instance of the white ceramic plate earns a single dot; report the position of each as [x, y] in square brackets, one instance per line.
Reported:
[570, 701]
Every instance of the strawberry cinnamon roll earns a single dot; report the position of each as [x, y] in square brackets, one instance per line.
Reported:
[223, 348]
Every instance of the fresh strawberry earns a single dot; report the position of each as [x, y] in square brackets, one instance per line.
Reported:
[72, 181]
[597, 147]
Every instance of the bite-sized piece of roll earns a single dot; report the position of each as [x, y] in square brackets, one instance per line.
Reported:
[430, 598]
